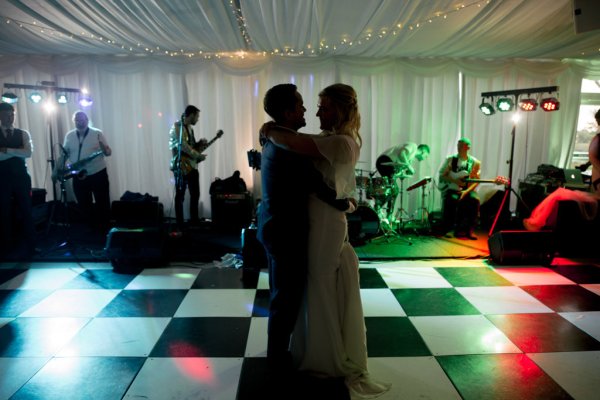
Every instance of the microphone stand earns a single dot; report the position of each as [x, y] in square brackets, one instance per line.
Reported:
[507, 188]
[178, 169]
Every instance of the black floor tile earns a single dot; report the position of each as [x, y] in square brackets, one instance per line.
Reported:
[394, 337]
[100, 279]
[8, 274]
[15, 302]
[223, 278]
[434, 301]
[261, 303]
[203, 337]
[499, 377]
[543, 333]
[565, 298]
[472, 276]
[144, 303]
[580, 273]
[371, 279]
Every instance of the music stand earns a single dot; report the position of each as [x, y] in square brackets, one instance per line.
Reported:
[65, 210]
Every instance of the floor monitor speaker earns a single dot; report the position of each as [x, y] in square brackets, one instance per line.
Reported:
[522, 247]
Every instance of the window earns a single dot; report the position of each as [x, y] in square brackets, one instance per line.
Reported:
[586, 124]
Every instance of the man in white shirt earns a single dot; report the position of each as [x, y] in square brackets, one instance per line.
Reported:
[83, 155]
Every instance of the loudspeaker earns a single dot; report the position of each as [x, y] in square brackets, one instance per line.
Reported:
[585, 15]
[128, 248]
[136, 214]
[522, 247]
[231, 211]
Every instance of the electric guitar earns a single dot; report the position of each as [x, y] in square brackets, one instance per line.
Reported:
[499, 180]
[186, 164]
[462, 176]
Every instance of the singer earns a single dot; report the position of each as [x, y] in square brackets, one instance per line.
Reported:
[83, 153]
[187, 153]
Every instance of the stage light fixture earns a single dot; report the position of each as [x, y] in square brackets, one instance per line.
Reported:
[10, 98]
[486, 108]
[61, 98]
[85, 101]
[35, 97]
[528, 105]
[550, 104]
[505, 104]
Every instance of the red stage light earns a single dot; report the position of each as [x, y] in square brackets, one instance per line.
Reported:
[550, 104]
[528, 105]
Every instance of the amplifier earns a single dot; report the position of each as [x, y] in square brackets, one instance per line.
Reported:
[231, 211]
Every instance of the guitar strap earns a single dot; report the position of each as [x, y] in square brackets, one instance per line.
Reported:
[455, 164]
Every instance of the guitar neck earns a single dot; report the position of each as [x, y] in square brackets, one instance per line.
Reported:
[202, 148]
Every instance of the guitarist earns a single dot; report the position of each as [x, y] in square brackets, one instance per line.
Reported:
[460, 201]
[185, 169]
[87, 146]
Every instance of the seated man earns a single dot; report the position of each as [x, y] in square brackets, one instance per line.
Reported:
[460, 201]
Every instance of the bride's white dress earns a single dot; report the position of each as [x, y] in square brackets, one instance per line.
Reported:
[330, 336]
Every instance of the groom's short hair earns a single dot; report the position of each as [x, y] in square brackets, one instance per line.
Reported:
[279, 99]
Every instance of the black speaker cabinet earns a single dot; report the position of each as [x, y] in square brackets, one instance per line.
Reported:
[137, 214]
[522, 247]
[141, 247]
[231, 211]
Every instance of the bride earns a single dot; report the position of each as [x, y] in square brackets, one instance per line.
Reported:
[330, 336]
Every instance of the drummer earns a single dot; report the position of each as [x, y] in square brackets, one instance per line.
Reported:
[407, 154]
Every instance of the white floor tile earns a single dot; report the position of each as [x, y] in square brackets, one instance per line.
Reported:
[577, 372]
[380, 303]
[412, 277]
[16, 372]
[263, 280]
[118, 337]
[412, 378]
[462, 334]
[46, 279]
[164, 278]
[72, 303]
[588, 321]
[256, 346]
[502, 300]
[532, 276]
[187, 378]
[217, 303]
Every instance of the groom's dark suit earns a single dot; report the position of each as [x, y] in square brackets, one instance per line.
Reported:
[287, 181]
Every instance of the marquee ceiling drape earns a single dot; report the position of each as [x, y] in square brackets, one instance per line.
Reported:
[418, 67]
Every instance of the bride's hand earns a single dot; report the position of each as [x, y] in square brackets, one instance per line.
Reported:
[265, 128]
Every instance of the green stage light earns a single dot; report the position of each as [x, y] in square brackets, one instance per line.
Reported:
[486, 108]
[10, 98]
[505, 104]
[35, 97]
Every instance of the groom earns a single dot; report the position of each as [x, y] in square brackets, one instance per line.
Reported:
[287, 181]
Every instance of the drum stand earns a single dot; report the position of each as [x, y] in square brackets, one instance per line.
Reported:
[401, 215]
[424, 211]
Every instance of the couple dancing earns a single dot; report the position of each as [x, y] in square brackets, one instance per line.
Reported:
[316, 323]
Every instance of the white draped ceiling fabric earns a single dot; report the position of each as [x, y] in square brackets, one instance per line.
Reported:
[419, 68]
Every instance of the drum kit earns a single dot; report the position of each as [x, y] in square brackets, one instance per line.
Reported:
[378, 192]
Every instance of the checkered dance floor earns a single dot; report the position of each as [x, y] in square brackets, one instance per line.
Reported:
[443, 329]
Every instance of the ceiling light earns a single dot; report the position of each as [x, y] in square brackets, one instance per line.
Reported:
[528, 105]
[35, 97]
[505, 104]
[486, 108]
[550, 104]
[10, 98]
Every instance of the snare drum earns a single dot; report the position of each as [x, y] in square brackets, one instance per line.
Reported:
[363, 224]
[362, 182]
[378, 188]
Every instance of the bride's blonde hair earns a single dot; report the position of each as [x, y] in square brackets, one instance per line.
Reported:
[344, 100]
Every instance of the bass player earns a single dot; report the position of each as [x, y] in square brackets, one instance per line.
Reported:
[187, 153]
[460, 201]
[82, 156]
